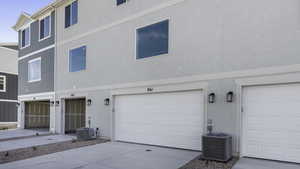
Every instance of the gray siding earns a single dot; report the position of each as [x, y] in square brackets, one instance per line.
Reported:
[11, 87]
[8, 112]
[35, 44]
[47, 74]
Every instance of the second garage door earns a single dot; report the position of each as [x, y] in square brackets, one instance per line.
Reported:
[166, 119]
[271, 122]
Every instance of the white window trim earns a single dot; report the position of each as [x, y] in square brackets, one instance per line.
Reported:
[145, 25]
[4, 83]
[34, 60]
[23, 47]
[50, 27]
[69, 51]
[71, 24]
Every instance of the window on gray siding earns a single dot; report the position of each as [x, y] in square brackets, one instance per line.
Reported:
[25, 37]
[45, 28]
[2, 84]
[71, 14]
[152, 40]
[34, 70]
[77, 59]
[119, 2]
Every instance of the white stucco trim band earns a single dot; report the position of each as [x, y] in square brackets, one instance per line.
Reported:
[7, 100]
[195, 78]
[36, 52]
[37, 96]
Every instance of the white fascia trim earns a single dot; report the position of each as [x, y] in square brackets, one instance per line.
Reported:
[127, 19]
[7, 100]
[36, 52]
[226, 75]
[39, 96]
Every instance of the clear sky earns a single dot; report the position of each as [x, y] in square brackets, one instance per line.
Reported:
[10, 11]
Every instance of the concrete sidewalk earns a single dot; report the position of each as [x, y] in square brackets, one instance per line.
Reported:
[20, 133]
[248, 163]
[34, 141]
[112, 155]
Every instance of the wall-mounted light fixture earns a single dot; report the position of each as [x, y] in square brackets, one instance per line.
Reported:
[89, 102]
[230, 97]
[52, 103]
[106, 102]
[18, 104]
[57, 103]
[212, 98]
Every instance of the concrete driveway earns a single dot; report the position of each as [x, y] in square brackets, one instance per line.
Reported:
[112, 155]
[248, 163]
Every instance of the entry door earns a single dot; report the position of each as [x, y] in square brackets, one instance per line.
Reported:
[271, 125]
[75, 111]
[37, 114]
[165, 119]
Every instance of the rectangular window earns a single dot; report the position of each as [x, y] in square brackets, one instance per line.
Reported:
[25, 37]
[77, 59]
[152, 40]
[45, 27]
[2, 84]
[71, 14]
[34, 70]
[119, 2]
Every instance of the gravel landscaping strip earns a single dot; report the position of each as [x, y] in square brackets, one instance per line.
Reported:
[25, 153]
[204, 164]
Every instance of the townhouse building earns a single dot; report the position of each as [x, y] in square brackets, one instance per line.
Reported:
[36, 68]
[8, 83]
[159, 72]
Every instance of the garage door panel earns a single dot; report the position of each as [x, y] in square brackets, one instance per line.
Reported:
[158, 119]
[271, 125]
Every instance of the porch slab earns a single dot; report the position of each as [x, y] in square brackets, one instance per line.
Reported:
[249, 163]
[21, 133]
[34, 141]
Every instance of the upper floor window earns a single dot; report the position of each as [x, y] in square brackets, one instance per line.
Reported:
[25, 37]
[45, 27]
[77, 59]
[119, 2]
[71, 14]
[2, 83]
[34, 70]
[152, 40]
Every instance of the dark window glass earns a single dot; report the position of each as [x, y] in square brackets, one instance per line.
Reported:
[153, 40]
[25, 37]
[77, 59]
[71, 14]
[42, 29]
[119, 2]
[74, 12]
[68, 16]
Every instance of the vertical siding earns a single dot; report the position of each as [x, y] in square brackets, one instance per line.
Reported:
[8, 112]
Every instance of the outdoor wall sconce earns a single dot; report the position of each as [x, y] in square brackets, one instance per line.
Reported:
[89, 102]
[211, 98]
[57, 103]
[230, 97]
[106, 102]
[18, 104]
[52, 103]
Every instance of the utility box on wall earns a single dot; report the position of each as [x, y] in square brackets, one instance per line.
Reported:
[217, 147]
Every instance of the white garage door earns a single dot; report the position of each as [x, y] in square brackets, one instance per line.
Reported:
[164, 119]
[271, 122]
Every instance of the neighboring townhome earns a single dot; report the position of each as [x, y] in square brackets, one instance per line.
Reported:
[159, 72]
[36, 68]
[8, 83]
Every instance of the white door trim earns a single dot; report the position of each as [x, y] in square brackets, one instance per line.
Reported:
[257, 81]
[159, 89]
